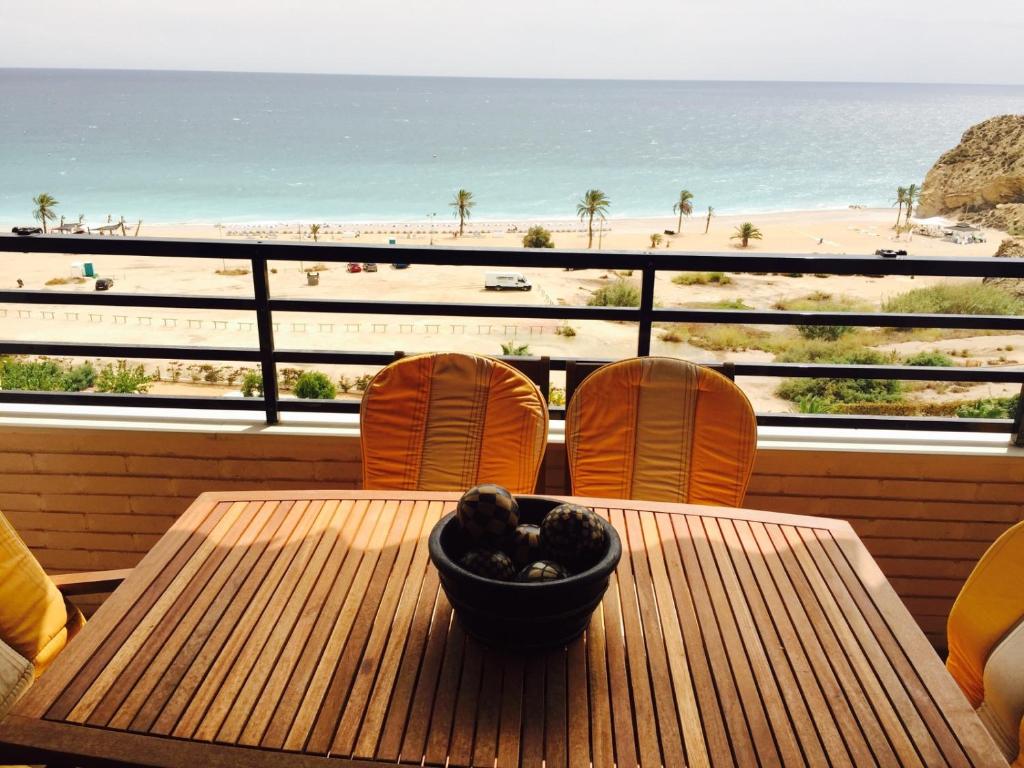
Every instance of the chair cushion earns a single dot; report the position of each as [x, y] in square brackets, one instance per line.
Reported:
[35, 620]
[450, 421]
[987, 608]
[16, 674]
[1003, 707]
[660, 429]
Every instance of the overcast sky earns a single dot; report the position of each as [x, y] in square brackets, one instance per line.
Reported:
[860, 40]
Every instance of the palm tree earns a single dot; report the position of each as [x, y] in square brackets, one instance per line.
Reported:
[707, 222]
[683, 206]
[44, 204]
[594, 203]
[912, 196]
[746, 232]
[901, 198]
[314, 230]
[462, 203]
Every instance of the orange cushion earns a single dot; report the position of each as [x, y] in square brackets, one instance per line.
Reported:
[987, 608]
[660, 429]
[449, 421]
[35, 620]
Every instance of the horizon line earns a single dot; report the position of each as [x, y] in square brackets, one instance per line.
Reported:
[506, 77]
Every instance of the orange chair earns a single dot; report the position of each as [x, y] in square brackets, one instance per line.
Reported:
[447, 421]
[660, 429]
[985, 633]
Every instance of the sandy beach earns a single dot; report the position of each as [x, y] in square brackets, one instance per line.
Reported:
[852, 231]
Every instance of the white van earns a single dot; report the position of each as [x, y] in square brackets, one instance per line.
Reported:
[506, 281]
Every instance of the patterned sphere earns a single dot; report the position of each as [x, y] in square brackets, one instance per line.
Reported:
[525, 547]
[488, 563]
[488, 514]
[542, 570]
[573, 535]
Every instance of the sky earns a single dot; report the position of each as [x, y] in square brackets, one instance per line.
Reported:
[943, 41]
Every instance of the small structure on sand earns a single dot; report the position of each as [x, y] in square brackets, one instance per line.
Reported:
[963, 234]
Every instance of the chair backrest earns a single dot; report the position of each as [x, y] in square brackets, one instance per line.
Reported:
[1002, 711]
[660, 429]
[447, 421]
[989, 605]
[16, 675]
[35, 620]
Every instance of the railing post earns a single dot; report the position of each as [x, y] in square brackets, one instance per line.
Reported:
[265, 329]
[643, 345]
[1018, 421]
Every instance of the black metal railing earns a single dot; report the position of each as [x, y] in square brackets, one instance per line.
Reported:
[648, 263]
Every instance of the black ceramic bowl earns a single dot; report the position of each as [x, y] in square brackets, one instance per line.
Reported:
[513, 615]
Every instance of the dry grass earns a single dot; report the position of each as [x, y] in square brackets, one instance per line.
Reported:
[65, 280]
[236, 272]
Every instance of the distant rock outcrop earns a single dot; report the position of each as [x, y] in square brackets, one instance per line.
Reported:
[982, 177]
[1010, 248]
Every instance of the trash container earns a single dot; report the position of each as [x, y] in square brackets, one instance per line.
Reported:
[88, 269]
[313, 278]
[392, 241]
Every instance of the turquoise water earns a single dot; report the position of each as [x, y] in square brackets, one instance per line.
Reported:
[210, 147]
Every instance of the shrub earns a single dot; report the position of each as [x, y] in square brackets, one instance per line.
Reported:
[656, 239]
[721, 304]
[252, 384]
[820, 301]
[556, 395]
[538, 237]
[565, 330]
[313, 385]
[122, 378]
[958, 299]
[842, 390]
[990, 408]
[932, 358]
[45, 375]
[511, 349]
[672, 335]
[826, 332]
[733, 338]
[78, 378]
[617, 294]
[232, 272]
[819, 351]
[812, 404]
[345, 384]
[362, 382]
[702, 278]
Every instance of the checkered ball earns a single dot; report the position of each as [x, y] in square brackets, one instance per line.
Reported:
[488, 514]
[573, 535]
[488, 563]
[525, 547]
[542, 570]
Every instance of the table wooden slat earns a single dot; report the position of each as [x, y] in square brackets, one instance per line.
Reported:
[309, 628]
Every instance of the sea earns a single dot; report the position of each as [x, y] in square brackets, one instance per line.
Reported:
[216, 147]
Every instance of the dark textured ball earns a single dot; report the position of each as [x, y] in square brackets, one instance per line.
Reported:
[488, 563]
[542, 570]
[573, 535]
[525, 547]
[488, 514]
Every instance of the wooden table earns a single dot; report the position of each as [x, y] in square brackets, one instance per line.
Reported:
[311, 623]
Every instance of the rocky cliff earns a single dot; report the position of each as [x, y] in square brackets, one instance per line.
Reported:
[1011, 248]
[982, 177]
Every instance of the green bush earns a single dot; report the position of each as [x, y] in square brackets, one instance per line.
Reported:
[31, 375]
[538, 237]
[313, 385]
[840, 352]
[252, 384]
[122, 378]
[956, 299]
[820, 301]
[78, 378]
[511, 349]
[834, 391]
[721, 304]
[932, 358]
[990, 408]
[726, 337]
[565, 330]
[617, 294]
[362, 382]
[556, 395]
[826, 332]
[702, 278]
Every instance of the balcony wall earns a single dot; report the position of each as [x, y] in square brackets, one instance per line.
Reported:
[89, 498]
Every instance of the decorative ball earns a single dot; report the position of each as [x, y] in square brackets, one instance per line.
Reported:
[488, 514]
[488, 563]
[525, 547]
[542, 570]
[573, 535]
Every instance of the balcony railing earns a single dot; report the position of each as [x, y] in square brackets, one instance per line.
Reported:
[647, 263]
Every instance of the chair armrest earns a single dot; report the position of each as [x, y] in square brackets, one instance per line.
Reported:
[90, 583]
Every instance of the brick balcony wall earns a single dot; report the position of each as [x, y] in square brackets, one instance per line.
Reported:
[89, 499]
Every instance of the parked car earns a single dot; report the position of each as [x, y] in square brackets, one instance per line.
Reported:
[104, 283]
[510, 281]
[370, 266]
[399, 266]
[889, 253]
[353, 266]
